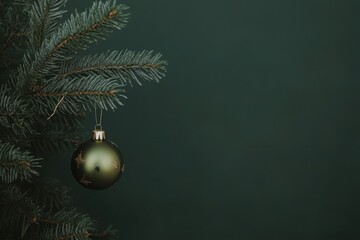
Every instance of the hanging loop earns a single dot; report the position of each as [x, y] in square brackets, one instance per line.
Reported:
[98, 125]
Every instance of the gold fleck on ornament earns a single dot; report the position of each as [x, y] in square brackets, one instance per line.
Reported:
[84, 181]
[79, 160]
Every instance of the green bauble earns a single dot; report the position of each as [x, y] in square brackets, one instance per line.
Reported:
[97, 163]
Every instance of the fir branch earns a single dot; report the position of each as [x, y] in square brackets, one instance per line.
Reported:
[17, 210]
[44, 16]
[124, 65]
[60, 121]
[13, 22]
[65, 225]
[62, 131]
[73, 35]
[55, 140]
[15, 113]
[16, 164]
[82, 92]
[49, 193]
[76, 93]
[73, 229]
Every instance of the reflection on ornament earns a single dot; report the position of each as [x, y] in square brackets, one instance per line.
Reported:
[114, 164]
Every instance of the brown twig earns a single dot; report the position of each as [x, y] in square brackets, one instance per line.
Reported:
[10, 114]
[56, 107]
[106, 67]
[20, 163]
[77, 93]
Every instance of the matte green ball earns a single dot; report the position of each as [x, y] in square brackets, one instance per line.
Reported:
[97, 164]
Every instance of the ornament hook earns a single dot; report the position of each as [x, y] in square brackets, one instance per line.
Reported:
[98, 125]
[98, 133]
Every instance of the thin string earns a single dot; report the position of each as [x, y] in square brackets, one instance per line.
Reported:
[98, 125]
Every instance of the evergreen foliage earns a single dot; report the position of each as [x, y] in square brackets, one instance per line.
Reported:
[46, 88]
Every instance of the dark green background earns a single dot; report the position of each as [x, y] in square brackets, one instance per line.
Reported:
[254, 133]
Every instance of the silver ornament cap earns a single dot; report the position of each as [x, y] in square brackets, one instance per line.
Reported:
[98, 135]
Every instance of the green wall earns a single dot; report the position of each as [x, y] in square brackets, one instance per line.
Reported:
[254, 133]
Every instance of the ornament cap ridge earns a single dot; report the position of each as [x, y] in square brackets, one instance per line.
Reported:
[98, 135]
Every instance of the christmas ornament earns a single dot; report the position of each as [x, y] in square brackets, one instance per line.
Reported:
[97, 163]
